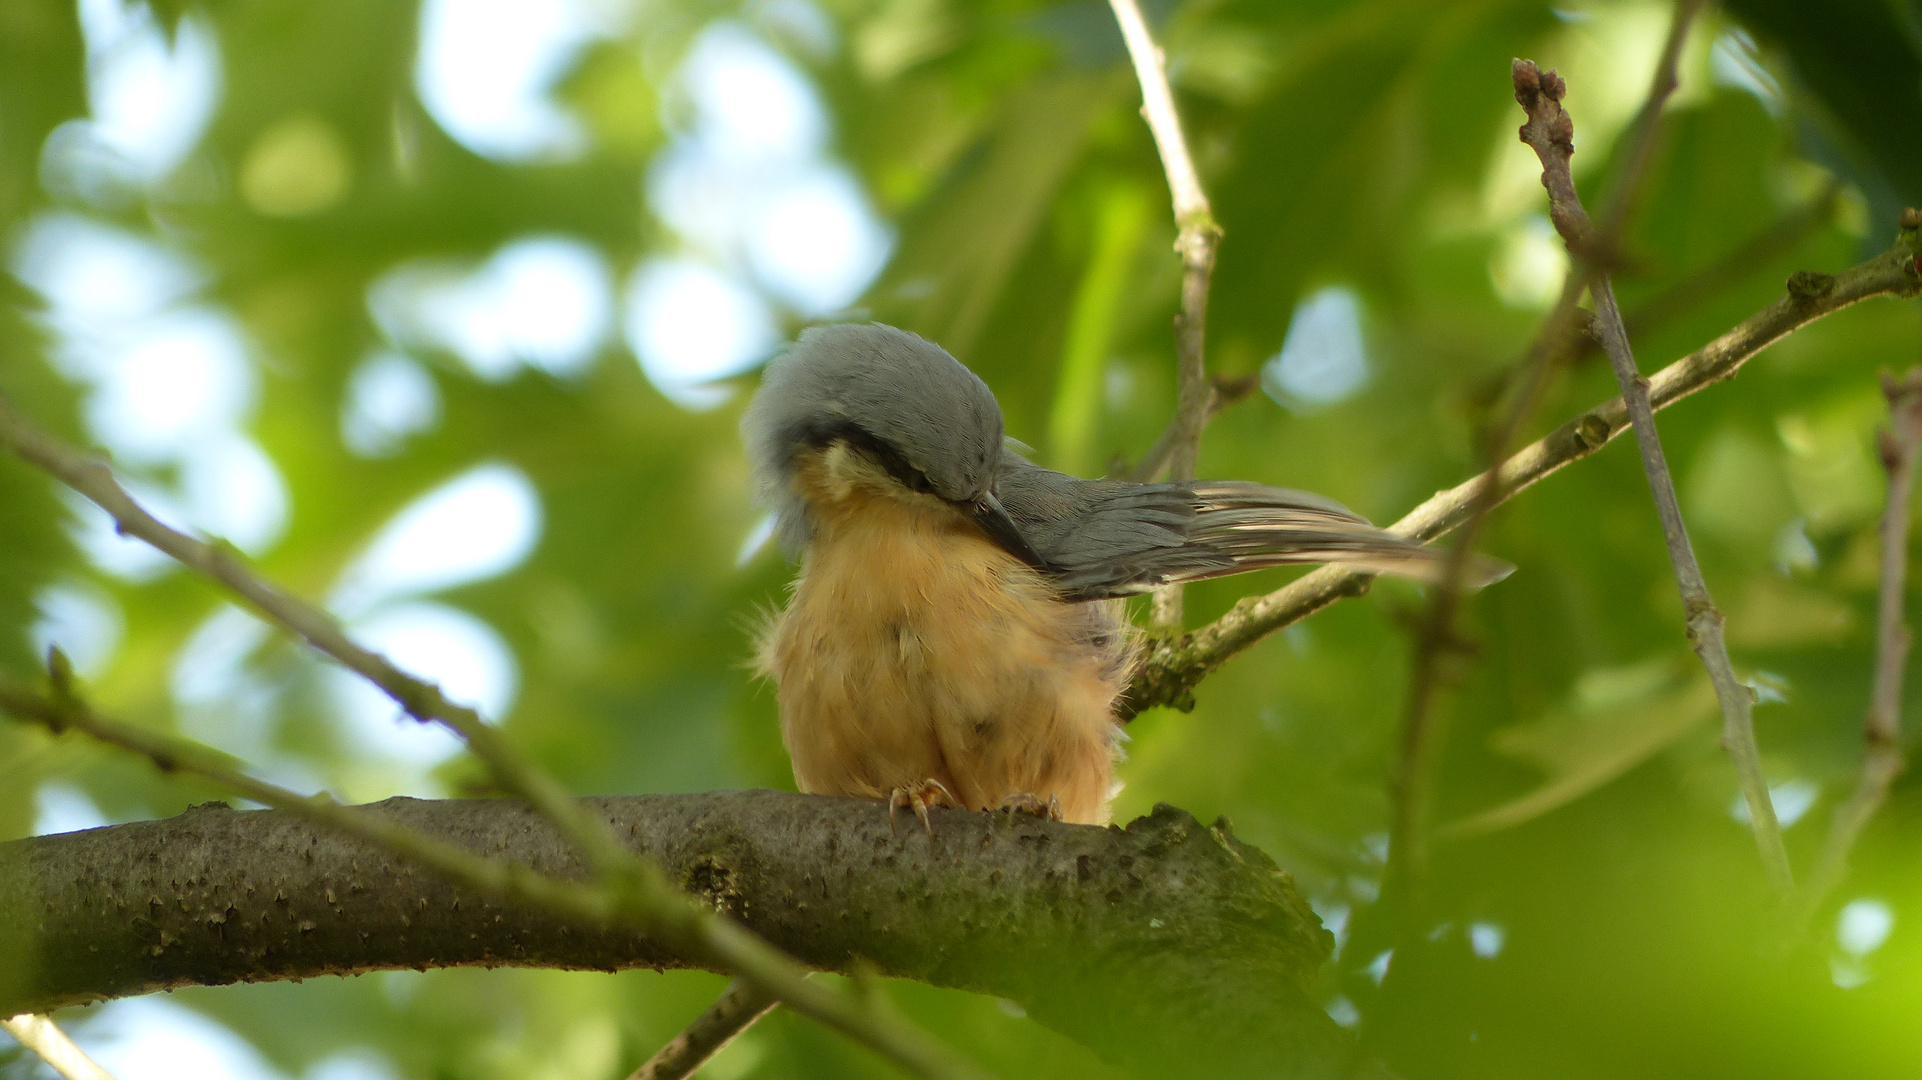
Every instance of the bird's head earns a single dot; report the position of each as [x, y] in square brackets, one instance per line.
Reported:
[880, 409]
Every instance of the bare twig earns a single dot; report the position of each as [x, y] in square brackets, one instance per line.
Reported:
[420, 699]
[1550, 134]
[659, 911]
[42, 1036]
[1420, 738]
[1223, 392]
[1605, 241]
[1196, 239]
[1882, 761]
[1738, 264]
[1176, 665]
[639, 892]
[736, 1010]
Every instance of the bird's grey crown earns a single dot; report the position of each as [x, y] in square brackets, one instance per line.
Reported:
[935, 427]
[897, 397]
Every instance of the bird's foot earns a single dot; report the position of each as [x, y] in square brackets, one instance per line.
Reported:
[920, 796]
[1027, 802]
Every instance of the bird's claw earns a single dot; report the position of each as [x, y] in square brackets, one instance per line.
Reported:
[1029, 803]
[920, 796]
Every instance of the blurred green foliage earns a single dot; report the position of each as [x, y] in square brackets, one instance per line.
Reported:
[1608, 919]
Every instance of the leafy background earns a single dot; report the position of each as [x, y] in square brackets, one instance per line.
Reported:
[293, 274]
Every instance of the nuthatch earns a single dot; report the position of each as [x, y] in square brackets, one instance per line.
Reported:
[954, 635]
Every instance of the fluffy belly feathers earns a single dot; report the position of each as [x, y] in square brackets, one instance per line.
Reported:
[914, 649]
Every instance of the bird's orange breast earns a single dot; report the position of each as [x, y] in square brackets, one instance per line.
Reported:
[915, 649]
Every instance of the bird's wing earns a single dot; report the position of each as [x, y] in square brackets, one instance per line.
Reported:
[1109, 538]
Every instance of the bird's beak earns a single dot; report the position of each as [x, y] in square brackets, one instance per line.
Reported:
[994, 520]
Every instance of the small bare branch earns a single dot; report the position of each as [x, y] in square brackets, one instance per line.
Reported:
[42, 1036]
[619, 898]
[1550, 134]
[1223, 393]
[1882, 760]
[1420, 739]
[422, 700]
[1195, 241]
[738, 1008]
[1176, 665]
[638, 890]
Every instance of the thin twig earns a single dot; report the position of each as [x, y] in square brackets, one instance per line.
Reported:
[422, 700]
[1176, 665]
[640, 893]
[1605, 242]
[664, 913]
[1738, 264]
[1420, 736]
[1195, 241]
[1882, 761]
[1550, 134]
[1418, 740]
[1223, 392]
[42, 1036]
[736, 1010]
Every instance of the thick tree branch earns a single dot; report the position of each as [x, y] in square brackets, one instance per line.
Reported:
[1195, 241]
[1550, 134]
[611, 900]
[1882, 761]
[1168, 945]
[1176, 665]
[637, 890]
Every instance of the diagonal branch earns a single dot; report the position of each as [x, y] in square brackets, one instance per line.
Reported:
[422, 700]
[1550, 134]
[1196, 238]
[738, 1008]
[1882, 761]
[1162, 945]
[44, 1037]
[1420, 738]
[638, 892]
[676, 921]
[1176, 665]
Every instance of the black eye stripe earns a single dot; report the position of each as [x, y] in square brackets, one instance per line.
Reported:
[821, 433]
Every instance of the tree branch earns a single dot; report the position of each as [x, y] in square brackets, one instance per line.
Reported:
[1223, 392]
[738, 1008]
[1550, 134]
[1176, 665]
[42, 1036]
[1421, 736]
[610, 901]
[422, 700]
[1195, 241]
[1167, 946]
[1882, 761]
[1764, 247]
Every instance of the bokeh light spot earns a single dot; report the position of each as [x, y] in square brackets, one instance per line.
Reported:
[690, 324]
[296, 167]
[1322, 360]
[389, 398]
[478, 525]
[485, 68]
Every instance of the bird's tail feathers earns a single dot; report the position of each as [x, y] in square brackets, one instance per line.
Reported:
[1252, 527]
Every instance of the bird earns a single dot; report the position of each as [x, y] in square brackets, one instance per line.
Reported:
[957, 632]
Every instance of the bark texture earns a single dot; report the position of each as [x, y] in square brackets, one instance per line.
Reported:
[1165, 944]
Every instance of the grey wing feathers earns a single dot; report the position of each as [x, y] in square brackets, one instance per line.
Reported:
[1108, 538]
